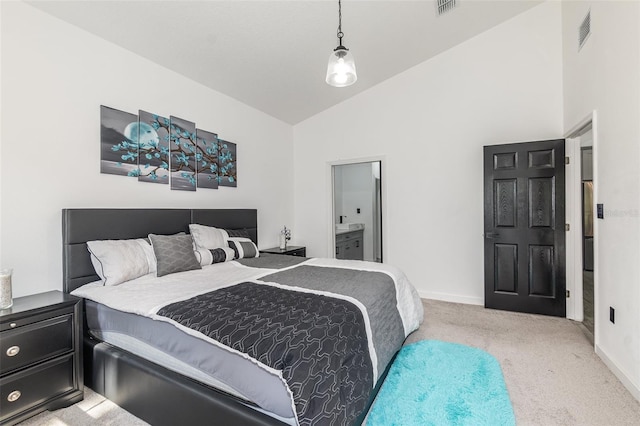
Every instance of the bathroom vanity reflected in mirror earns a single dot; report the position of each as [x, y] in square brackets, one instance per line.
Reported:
[357, 211]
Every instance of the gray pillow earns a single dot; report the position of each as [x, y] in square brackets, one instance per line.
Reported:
[174, 253]
[243, 247]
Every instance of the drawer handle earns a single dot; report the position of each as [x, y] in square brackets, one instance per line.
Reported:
[13, 351]
[13, 325]
[13, 396]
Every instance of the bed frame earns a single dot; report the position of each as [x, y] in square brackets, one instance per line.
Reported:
[149, 391]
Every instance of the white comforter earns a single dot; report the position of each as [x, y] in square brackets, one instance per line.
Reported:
[146, 295]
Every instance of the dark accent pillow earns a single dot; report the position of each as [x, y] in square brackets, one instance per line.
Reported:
[243, 248]
[174, 253]
[218, 255]
[242, 233]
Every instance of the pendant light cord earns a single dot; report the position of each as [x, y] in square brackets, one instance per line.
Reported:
[340, 33]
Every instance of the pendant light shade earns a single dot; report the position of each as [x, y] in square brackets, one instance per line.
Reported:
[341, 70]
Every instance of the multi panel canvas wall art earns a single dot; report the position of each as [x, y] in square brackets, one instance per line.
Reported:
[164, 150]
[118, 142]
[183, 154]
[227, 163]
[207, 159]
[153, 148]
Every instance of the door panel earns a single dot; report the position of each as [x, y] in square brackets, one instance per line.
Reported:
[506, 268]
[504, 160]
[544, 158]
[541, 271]
[505, 192]
[524, 227]
[541, 208]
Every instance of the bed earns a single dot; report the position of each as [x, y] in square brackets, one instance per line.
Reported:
[187, 376]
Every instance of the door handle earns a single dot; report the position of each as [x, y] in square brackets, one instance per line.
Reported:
[491, 235]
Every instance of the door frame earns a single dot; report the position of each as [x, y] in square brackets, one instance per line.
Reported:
[331, 233]
[575, 307]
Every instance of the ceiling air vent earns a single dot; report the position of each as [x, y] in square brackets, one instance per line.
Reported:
[445, 5]
[584, 31]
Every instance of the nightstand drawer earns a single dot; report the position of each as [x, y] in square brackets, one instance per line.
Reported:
[37, 341]
[36, 385]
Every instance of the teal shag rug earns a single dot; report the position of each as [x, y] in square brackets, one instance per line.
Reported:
[439, 383]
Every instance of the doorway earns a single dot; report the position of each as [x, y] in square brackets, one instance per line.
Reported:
[587, 213]
[357, 210]
[582, 247]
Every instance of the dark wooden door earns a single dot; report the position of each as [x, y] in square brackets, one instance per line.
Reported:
[524, 225]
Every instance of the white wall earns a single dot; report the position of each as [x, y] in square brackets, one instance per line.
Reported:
[430, 124]
[605, 76]
[54, 78]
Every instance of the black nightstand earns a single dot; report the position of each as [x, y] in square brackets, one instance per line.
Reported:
[40, 355]
[290, 250]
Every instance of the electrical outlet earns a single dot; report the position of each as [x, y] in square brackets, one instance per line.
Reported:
[600, 211]
[358, 210]
[612, 315]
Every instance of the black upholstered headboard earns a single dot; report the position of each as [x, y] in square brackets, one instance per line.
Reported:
[82, 225]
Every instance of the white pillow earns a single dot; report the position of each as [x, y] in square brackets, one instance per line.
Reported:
[150, 255]
[243, 247]
[117, 261]
[208, 237]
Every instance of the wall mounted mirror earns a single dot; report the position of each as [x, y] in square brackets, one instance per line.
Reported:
[357, 211]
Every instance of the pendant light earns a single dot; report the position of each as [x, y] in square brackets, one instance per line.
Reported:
[341, 71]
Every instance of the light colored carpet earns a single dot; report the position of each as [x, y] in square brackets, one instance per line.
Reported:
[93, 410]
[552, 373]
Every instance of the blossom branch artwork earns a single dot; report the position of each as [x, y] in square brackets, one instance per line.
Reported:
[153, 148]
[227, 163]
[183, 154]
[118, 143]
[163, 150]
[207, 159]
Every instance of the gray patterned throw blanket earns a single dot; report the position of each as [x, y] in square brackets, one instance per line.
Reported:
[318, 342]
[321, 343]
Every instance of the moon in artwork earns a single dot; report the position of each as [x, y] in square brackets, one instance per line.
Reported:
[142, 133]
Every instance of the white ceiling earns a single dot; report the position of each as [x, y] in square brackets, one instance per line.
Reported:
[272, 55]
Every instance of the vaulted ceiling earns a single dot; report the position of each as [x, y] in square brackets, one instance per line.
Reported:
[272, 55]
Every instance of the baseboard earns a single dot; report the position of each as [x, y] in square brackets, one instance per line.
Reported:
[446, 297]
[624, 378]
